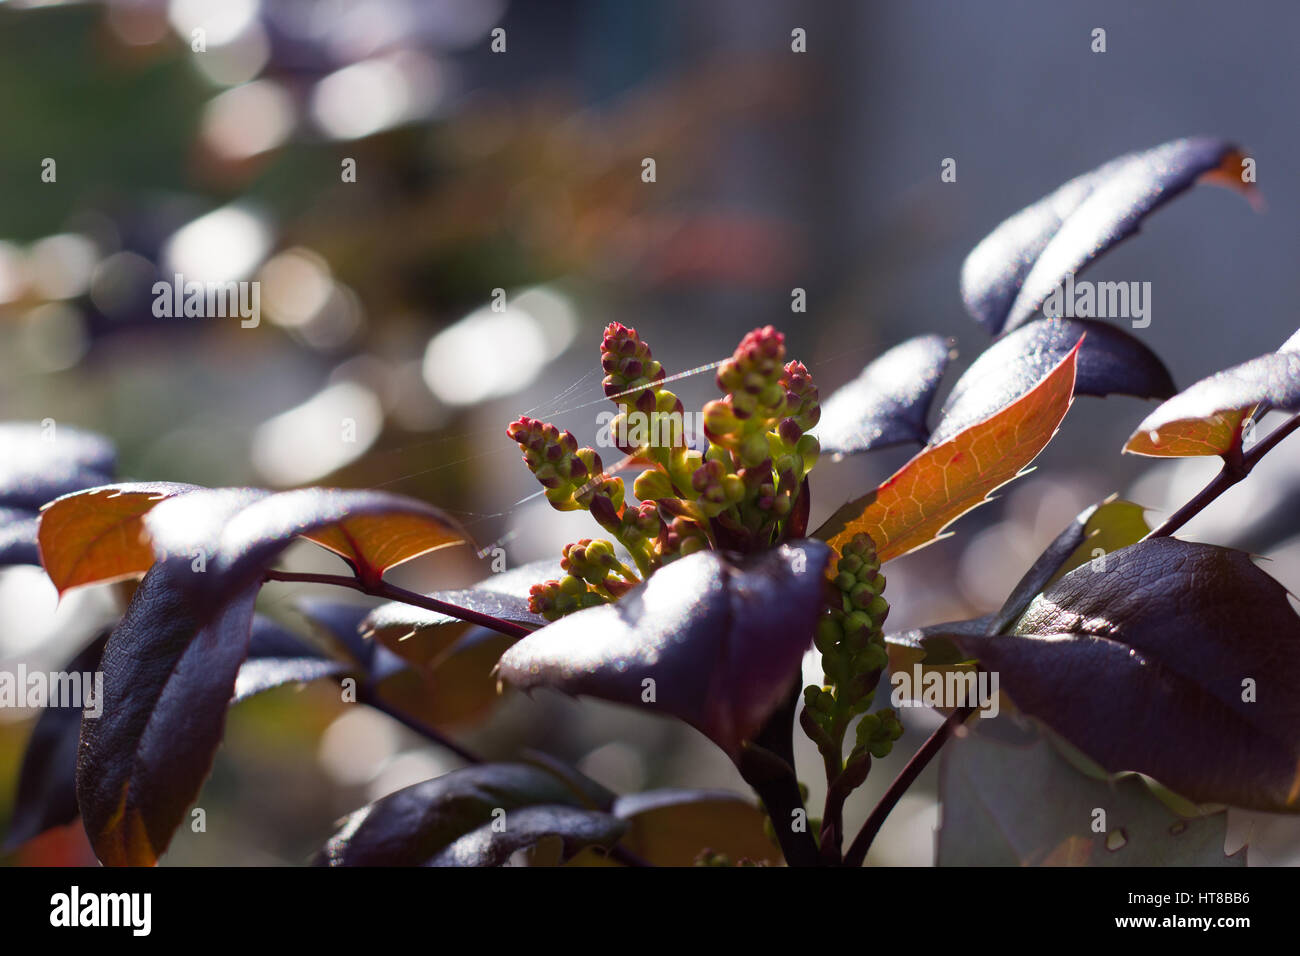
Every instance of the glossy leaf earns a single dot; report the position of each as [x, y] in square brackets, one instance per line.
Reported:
[672, 827]
[519, 581]
[396, 623]
[1144, 666]
[493, 843]
[888, 402]
[39, 462]
[453, 681]
[1018, 802]
[1205, 418]
[914, 506]
[104, 534]
[424, 637]
[97, 535]
[47, 788]
[1007, 277]
[1105, 527]
[170, 666]
[1216, 434]
[414, 824]
[47, 781]
[169, 674]
[373, 531]
[721, 641]
[1111, 361]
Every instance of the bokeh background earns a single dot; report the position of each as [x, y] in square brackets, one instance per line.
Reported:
[521, 171]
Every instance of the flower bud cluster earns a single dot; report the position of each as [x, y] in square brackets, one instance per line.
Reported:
[850, 637]
[739, 491]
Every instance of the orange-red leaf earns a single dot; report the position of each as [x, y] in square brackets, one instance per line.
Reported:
[373, 543]
[1206, 418]
[914, 506]
[1189, 437]
[97, 535]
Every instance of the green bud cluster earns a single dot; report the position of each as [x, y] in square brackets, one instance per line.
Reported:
[554, 599]
[596, 563]
[566, 471]
[595, 576]
[850, 637]
[574, 478]
[877, 732]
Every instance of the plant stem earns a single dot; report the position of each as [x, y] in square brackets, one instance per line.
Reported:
[1235, 468]
[774, 781]
[394, 593]
[767, 765]
[857, 853]
[837, 792]
[367, 696]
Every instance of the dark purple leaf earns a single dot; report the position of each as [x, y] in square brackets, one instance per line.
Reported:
[39, 462]
[888, 402]
[1144, 666]
[339, 623]
[169, 675]
[47, 787]
[277, 657]
[593, 795]
[1040, 572]
[404, 620]
[1006, 278]
[171, 664]
[369, 529]
[1105, 527]
[47, 781]
[414, 824]
[718, 641]
[1111, 361]
[493, 843]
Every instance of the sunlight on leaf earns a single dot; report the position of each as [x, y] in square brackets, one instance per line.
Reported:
[888, 402]
[913, 507]
[1007, 277]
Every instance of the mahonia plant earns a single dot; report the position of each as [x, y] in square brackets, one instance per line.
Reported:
[705, 590]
